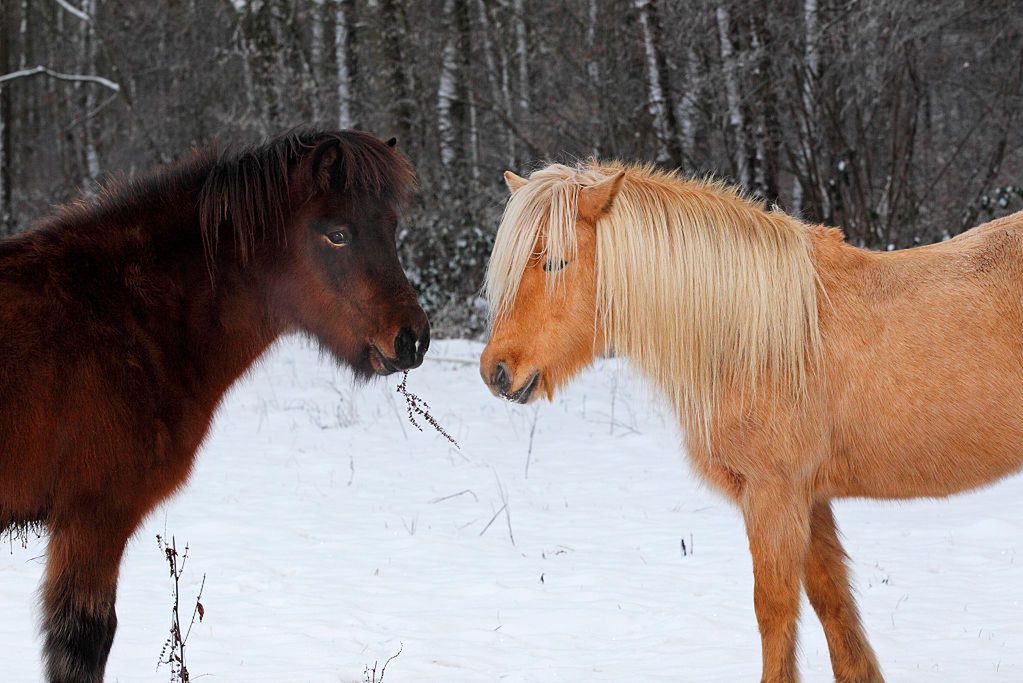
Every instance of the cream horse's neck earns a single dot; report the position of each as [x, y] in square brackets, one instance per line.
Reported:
[705, 291]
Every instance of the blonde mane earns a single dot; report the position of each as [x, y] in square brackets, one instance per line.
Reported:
[697, 285]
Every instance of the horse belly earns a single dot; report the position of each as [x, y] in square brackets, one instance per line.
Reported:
[926, 440]
[913, 472]
[925, 377]
[26, 468]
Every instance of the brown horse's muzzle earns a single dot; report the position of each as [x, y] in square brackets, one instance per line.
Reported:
[408, 346]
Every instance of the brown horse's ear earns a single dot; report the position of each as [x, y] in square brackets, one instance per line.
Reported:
[324, 159]
[393, 142]
[513, 181]
[596, 200]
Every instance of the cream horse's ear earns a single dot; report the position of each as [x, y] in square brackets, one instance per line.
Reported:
[596, 200]
[513, 181]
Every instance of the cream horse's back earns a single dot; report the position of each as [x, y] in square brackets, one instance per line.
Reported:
[923, 352]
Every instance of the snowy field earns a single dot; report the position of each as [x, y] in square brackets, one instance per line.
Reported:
[332, 533]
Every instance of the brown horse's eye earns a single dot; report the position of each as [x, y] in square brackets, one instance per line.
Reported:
[554, 265]
[339, 238]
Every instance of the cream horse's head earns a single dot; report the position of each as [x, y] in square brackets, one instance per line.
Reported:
[542, 282]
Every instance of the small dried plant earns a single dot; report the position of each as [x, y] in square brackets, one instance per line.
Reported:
[417, 406]
[173, 652]
[374, 676]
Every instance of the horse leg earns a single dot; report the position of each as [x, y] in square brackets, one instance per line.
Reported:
[78, 599]
[778, 526]
[827, 586]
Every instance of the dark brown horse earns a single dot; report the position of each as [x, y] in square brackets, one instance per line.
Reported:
[124, 320]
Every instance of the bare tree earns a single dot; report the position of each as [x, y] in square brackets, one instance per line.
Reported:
[88, 101]
[736, 120]
[448, 136]
[345, 61]
[496, 62]
[6, 215]
[522, 54]
[811, 67]
[317, 21]
[657, 98]
[898, 121]
[392, 15]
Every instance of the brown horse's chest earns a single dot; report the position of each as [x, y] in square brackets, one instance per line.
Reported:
[163, 456]
[98, 444]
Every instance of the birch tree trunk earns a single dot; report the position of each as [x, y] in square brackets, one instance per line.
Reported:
[316, 52]
[23, 34]
[446, 90]
[394, 39]
[244, 49]
[593, 74]
[811, 65]
[685, 109]
[26, 29]
[262, 48]
[281, 56]
[592, 65]
[6, 222]
[497, 76]
[456, 98]
[465, 60]
[735, 118]
[811, 55]
[768, 130]
[522, 54]
[88, 62]
[344, 61]
[665, 126]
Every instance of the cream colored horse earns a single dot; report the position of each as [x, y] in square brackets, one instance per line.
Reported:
[801, 368]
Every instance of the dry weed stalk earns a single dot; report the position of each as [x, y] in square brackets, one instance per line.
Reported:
[173, 652]
[417, 406]
[371, 674]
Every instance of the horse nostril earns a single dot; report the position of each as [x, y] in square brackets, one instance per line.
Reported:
[405, 348]
[501, 378]
[423, 344]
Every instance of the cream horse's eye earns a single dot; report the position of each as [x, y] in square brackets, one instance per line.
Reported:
[554, 265]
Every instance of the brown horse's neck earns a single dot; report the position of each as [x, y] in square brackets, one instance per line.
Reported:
[221, 304]
[138, 262]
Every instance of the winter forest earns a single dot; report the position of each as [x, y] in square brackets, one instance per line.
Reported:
[898, 121]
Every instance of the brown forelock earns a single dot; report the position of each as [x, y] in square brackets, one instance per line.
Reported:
[257, 189]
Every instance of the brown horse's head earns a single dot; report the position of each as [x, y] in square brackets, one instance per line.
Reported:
[336, 269]
[542, 284]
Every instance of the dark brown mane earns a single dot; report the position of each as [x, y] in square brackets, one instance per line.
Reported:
[248, 194]
[250, 188]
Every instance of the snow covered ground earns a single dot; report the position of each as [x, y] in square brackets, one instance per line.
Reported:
[332, 533]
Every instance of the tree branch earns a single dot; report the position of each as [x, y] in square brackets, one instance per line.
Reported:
[35, 71]
[74, 10]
